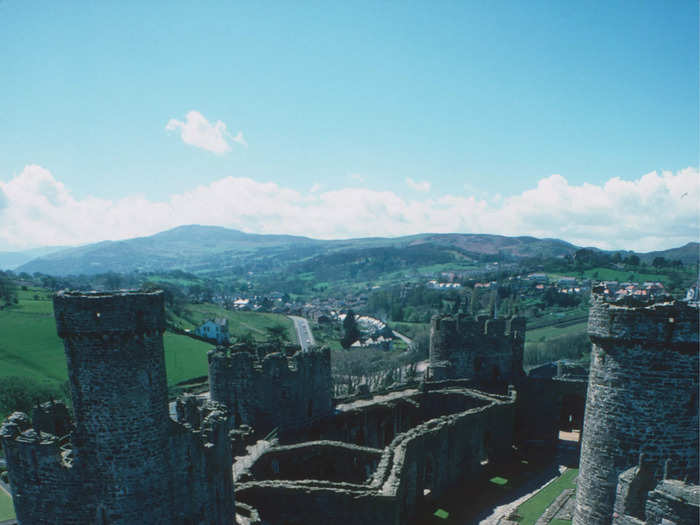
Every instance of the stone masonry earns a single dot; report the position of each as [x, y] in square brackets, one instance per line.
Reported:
[125, 461]
[642, 398]
[272, 392]
[484, 349]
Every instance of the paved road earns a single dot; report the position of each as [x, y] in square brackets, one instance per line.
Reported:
[402, 337]
[304, 334]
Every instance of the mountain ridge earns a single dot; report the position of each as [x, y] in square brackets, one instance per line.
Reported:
[202, 248]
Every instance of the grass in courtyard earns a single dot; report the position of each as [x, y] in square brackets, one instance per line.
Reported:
[498, 480]
[534, 507]
[559, 521]
[7, 510]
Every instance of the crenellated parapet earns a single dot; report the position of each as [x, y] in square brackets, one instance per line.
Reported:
[670, 325]
[484, 348]
[642, 398]
[81, 314]
[46, 486]
[272, 391]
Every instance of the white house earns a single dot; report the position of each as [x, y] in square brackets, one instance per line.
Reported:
[214, 329]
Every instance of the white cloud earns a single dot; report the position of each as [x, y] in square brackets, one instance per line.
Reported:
[315, 188]
[418, 186]
[651, 212]
[197, 131]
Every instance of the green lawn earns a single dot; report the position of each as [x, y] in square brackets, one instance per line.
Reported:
[30, 347]
[533, 508]
[7, 510]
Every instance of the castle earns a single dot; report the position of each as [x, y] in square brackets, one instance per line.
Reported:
[370, 458]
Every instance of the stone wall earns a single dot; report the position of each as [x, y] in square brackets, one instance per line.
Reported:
[290, 394]
[642, 398]
[424, 461]
[320, 460]
[126, 461]
[486, 349]
[642, 501]
[542, 403]
[376, 421]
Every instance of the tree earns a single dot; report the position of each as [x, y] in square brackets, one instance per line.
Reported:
[8, 289]
[350, 329]
[632, 260]
[24, 393]
[658, 262]
[277, 334]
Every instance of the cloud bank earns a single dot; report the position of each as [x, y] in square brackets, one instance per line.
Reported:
[655, 211]
[197, 131]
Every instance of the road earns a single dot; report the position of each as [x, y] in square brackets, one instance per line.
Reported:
[402, 337]
[304, 334]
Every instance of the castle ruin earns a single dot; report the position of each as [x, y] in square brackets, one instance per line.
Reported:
[378, 458]
[269, 391]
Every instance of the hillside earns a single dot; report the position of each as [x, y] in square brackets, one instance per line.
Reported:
[687, 254]
[205, 249]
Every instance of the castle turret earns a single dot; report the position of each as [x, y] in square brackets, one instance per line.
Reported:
[116, 370]
[642, 398]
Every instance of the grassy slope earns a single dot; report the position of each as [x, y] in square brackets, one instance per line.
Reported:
[7, 510]
[240, 322]
[29, 346]
[552, 332]
[534, 507]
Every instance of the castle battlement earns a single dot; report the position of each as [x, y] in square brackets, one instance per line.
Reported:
[267, 390]
[483, 348]
[671, 324]
[90, 314]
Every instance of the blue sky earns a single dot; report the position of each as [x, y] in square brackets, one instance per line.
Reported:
[400, 112]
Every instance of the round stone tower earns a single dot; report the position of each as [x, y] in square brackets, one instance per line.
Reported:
[116, 368]
[642, 398]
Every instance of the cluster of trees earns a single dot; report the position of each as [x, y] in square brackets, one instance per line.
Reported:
[24, 393]
[351, 332]
[8, 290]
[414, 304]
[564, 347]
[375, 368]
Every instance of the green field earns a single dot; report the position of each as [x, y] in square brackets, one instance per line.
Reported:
[552, 332]
[7, 510]
[533, 508]
[239, 323]
[30, 347]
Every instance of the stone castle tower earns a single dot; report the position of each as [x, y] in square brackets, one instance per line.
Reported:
[485, 349]
[273, 391]
[126, 461]
[642, 399]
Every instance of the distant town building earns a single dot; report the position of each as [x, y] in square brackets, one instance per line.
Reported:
[214, 329]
